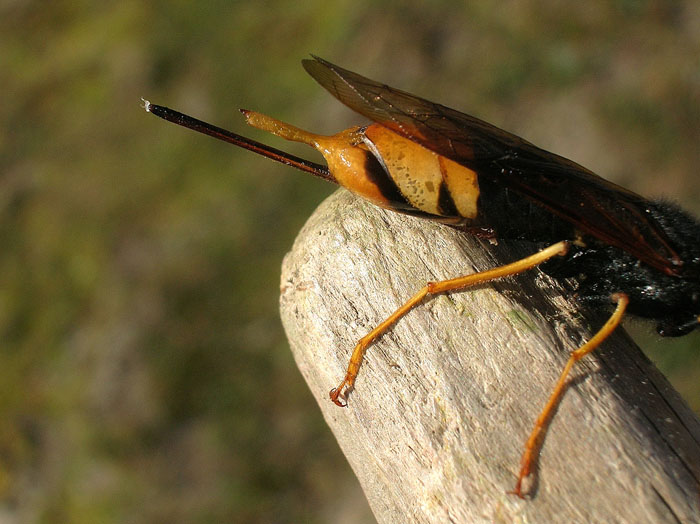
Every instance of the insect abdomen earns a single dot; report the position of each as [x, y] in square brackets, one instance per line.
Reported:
[431, 183]
[389, 170]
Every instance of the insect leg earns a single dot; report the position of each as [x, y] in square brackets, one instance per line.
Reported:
[432, 288]
[533, 444]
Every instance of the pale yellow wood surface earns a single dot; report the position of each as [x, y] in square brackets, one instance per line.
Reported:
[435, 426]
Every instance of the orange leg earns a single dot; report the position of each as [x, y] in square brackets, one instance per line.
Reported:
[533, 444]
[431, 288]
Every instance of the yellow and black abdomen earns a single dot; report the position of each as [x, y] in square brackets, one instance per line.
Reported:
[428, 182]
[389, 170]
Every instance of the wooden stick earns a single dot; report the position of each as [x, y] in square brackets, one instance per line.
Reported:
[436, 423]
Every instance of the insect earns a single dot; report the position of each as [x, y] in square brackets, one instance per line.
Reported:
[424, 159]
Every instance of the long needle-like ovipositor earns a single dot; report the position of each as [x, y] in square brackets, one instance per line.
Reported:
[283, 157]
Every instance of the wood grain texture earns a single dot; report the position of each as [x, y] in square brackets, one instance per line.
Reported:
[444, 402]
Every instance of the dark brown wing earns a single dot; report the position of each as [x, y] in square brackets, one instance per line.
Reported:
[593, 205]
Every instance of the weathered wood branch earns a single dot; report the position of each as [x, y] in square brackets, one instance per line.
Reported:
[444, 402]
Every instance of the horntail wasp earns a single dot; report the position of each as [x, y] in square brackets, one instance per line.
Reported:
[427, 160]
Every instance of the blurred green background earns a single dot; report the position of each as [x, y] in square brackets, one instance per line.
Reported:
[144, 375]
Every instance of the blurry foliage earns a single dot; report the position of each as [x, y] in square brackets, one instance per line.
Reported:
[145, 376]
